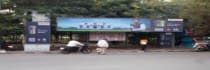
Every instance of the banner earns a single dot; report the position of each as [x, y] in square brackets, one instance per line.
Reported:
[119, 25]
[104, 24]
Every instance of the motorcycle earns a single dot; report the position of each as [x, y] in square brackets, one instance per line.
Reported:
[84, 49]
[202, 46]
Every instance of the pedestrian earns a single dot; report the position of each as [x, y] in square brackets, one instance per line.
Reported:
[143, 43]
[102, 46]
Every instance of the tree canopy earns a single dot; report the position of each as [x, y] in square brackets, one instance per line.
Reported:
[198, 15]
[101, 8]
[195, 11]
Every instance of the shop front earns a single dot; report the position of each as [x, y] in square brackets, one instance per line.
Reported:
[121, 32]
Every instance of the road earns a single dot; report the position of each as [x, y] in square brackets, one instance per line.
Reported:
[141, 61]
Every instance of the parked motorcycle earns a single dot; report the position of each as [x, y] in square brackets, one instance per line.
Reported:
[202, 46]
[84, 49]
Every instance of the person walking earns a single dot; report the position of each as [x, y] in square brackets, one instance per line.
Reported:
[102, 46]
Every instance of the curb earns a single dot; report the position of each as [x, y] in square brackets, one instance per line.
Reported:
[111, 51]
[171, 51]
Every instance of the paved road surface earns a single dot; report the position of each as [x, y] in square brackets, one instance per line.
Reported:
[141, 61]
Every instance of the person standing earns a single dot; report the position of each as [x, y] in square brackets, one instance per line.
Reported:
[102, 46]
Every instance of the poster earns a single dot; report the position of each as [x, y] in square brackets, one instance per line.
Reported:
[30, 32]
[37, 32]
[158, 25]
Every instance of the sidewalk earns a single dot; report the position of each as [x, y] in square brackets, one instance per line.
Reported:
[137, 51]
[171, 50]
[112, 51]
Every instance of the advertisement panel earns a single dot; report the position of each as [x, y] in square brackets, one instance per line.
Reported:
[119, 24]
[37, 32]
[169, 25]
[104, 24]
[30, 32]
[175, 25]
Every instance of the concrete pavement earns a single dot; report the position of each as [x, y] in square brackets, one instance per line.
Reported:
[141, 61]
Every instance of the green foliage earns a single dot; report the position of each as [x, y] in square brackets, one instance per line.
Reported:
[198, 15]
[91, 8]
[195, 11]
[100, 8]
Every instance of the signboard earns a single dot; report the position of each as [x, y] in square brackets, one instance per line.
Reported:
[117, 36]
[37, 32]
[119, 24]
[30, 32]
[174, 25]
[169, 25]
[36, 17]
[158, 25]
[104, 24]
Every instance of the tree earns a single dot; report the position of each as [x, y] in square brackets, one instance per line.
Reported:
[9, 22]
[96, 8]
[198, 15]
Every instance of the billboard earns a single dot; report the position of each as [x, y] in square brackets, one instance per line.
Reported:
[169, 25]
[174, 25]
[119, 24]
[37, 33]
[103, 24]
[158, 25]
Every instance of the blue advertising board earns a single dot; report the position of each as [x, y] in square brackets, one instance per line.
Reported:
[103, 24]
[174, 25]
[119, 24]
[37, 33]
[169, 25]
